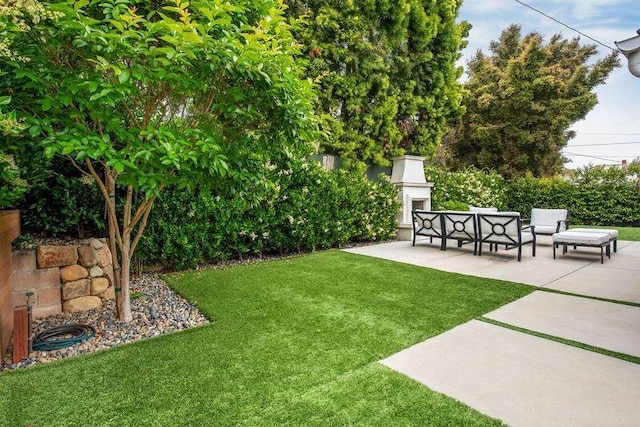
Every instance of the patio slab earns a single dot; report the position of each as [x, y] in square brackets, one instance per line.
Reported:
[579, 272]
[524, 380]
[611, 326]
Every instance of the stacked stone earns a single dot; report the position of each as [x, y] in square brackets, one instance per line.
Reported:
[86, 273]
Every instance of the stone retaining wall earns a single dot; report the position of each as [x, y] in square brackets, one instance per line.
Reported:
[63, 278]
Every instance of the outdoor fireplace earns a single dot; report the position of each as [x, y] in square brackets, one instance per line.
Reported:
[414, 191]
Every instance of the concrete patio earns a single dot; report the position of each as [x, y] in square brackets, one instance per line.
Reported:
[528, 380]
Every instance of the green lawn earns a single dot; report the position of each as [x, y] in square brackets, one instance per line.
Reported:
[292, 342]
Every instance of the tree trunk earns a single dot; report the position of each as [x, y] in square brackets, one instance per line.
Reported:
[124, 300]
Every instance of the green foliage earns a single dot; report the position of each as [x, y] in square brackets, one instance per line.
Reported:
[470, 186]
[12, 186]
[594, 195]
[302, 207]
[386, 71]
[453, 205]
[522, 100]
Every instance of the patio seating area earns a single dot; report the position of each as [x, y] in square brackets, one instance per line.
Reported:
[478, 226]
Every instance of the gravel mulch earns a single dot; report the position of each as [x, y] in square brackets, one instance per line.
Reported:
[156, 310]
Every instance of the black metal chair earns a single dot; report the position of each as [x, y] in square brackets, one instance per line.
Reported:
[427, 223]
[460, 226]
[505, 229]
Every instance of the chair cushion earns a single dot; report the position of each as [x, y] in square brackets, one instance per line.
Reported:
[548, 216]
[482, 210]
[580, 238]
[545, 229]
[613, 233]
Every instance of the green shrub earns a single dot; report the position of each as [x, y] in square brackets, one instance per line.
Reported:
[594, 195]
[297, 206]
[453, 205]
[471, 186]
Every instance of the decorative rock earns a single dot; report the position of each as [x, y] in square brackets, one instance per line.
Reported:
[81, 304]
[108, 295]
[96, 271]
[108, 273]
[104, 257]
[73, 273]
[79, 288]
[56, 256]
[97, 244]
[99, 285]
[88, 256]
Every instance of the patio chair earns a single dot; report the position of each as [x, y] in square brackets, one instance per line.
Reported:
[505, 228]
[427, 223]
[549, 221]
[460, 226]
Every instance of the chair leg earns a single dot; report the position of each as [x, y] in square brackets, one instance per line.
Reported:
[615, 245]
[601, 255]
[519, 252]
[555, 245]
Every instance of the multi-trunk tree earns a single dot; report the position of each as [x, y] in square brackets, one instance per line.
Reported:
[522, 99]
[386, 73]
[144, 95]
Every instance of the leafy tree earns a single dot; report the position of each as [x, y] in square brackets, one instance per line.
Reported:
[144, 95]
[386, 73]
[522, 99]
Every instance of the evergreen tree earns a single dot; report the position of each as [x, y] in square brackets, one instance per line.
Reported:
[386, 72]
[522, 100]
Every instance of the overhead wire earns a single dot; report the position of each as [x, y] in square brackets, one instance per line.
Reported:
[565, 25]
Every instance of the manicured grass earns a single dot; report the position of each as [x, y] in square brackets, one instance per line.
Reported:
[625, 233]
[292, 342]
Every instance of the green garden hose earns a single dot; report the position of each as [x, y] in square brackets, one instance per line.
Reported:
[62, 337]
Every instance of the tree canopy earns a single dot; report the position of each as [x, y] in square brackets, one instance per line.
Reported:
[386, 73]
[522, 99]
[143, 95]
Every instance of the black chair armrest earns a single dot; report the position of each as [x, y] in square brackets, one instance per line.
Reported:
[560, 221]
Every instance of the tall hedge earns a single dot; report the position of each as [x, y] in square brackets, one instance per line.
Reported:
[300, 207]
[594, 195]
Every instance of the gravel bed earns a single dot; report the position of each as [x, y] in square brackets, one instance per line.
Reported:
[156, 311]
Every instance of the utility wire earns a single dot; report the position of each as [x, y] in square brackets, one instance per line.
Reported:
[565, 25]
[591, 157]
[604, 144]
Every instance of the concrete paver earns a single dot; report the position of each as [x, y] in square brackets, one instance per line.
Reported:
[524, 380]
[607, 325]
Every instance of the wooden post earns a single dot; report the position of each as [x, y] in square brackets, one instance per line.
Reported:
[9, 230]
[21, 327]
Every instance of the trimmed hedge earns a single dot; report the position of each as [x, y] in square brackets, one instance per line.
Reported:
[300, 207]
[472, 186]
[594, 195]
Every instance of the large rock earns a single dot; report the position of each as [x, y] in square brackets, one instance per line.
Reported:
[81, 304]
[56, 256]
[109, 294]
[104, 257]
[79, 288]
[88, 256]
[73, 273]
[96, 271]
[99, 285]
[97, 244]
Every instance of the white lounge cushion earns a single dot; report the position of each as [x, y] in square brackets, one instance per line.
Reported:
[613, 233]
[580, 238]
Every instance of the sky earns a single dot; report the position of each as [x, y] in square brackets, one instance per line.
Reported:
[611, 131]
